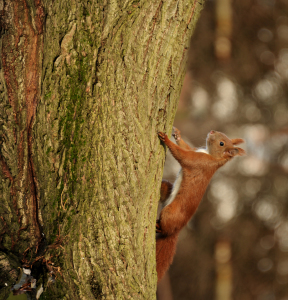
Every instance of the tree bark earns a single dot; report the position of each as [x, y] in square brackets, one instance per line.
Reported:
[85, 86]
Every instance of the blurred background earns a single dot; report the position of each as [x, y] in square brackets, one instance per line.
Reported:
[236, 245]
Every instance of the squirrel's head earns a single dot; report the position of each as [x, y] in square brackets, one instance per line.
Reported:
[221, 147]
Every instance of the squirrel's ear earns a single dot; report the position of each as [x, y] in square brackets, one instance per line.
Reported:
[237, 141]
[241, 152]
[234, 152]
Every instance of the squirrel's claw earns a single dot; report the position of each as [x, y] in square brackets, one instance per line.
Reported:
[176, 134]
[162, 136]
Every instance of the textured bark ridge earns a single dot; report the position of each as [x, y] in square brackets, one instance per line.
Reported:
[84, 93]
[22, 47]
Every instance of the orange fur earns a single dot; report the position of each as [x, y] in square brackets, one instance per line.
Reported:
[165, 250]
[166, 188]
[198, 169]
[177, 136]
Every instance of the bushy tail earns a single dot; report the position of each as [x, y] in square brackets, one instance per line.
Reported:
[165, 250]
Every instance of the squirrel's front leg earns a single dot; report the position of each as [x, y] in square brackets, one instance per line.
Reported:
[179, 153]
[177, 136]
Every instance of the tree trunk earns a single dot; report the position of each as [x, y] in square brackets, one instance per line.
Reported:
[85, 86]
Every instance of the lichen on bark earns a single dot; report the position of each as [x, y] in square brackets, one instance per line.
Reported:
[111, 74]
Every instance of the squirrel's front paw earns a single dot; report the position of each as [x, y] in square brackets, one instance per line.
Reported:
[162, 136]
[176, 134]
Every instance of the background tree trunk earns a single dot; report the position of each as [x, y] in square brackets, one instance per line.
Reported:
[85, 86]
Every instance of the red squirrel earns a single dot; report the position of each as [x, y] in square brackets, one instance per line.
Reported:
[181, 199]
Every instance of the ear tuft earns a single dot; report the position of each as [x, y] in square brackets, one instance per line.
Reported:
[237, 141]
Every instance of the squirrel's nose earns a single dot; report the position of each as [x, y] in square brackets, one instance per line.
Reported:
[212, 131]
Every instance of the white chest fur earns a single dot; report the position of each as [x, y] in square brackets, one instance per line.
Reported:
[175, 188]
[177, 183]
[204, 150]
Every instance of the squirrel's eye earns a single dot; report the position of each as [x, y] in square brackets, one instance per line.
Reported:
[221, 144]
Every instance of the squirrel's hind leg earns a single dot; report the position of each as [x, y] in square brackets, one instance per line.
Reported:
[166, 189]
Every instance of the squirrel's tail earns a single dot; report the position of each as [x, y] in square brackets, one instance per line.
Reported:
[165, 250]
